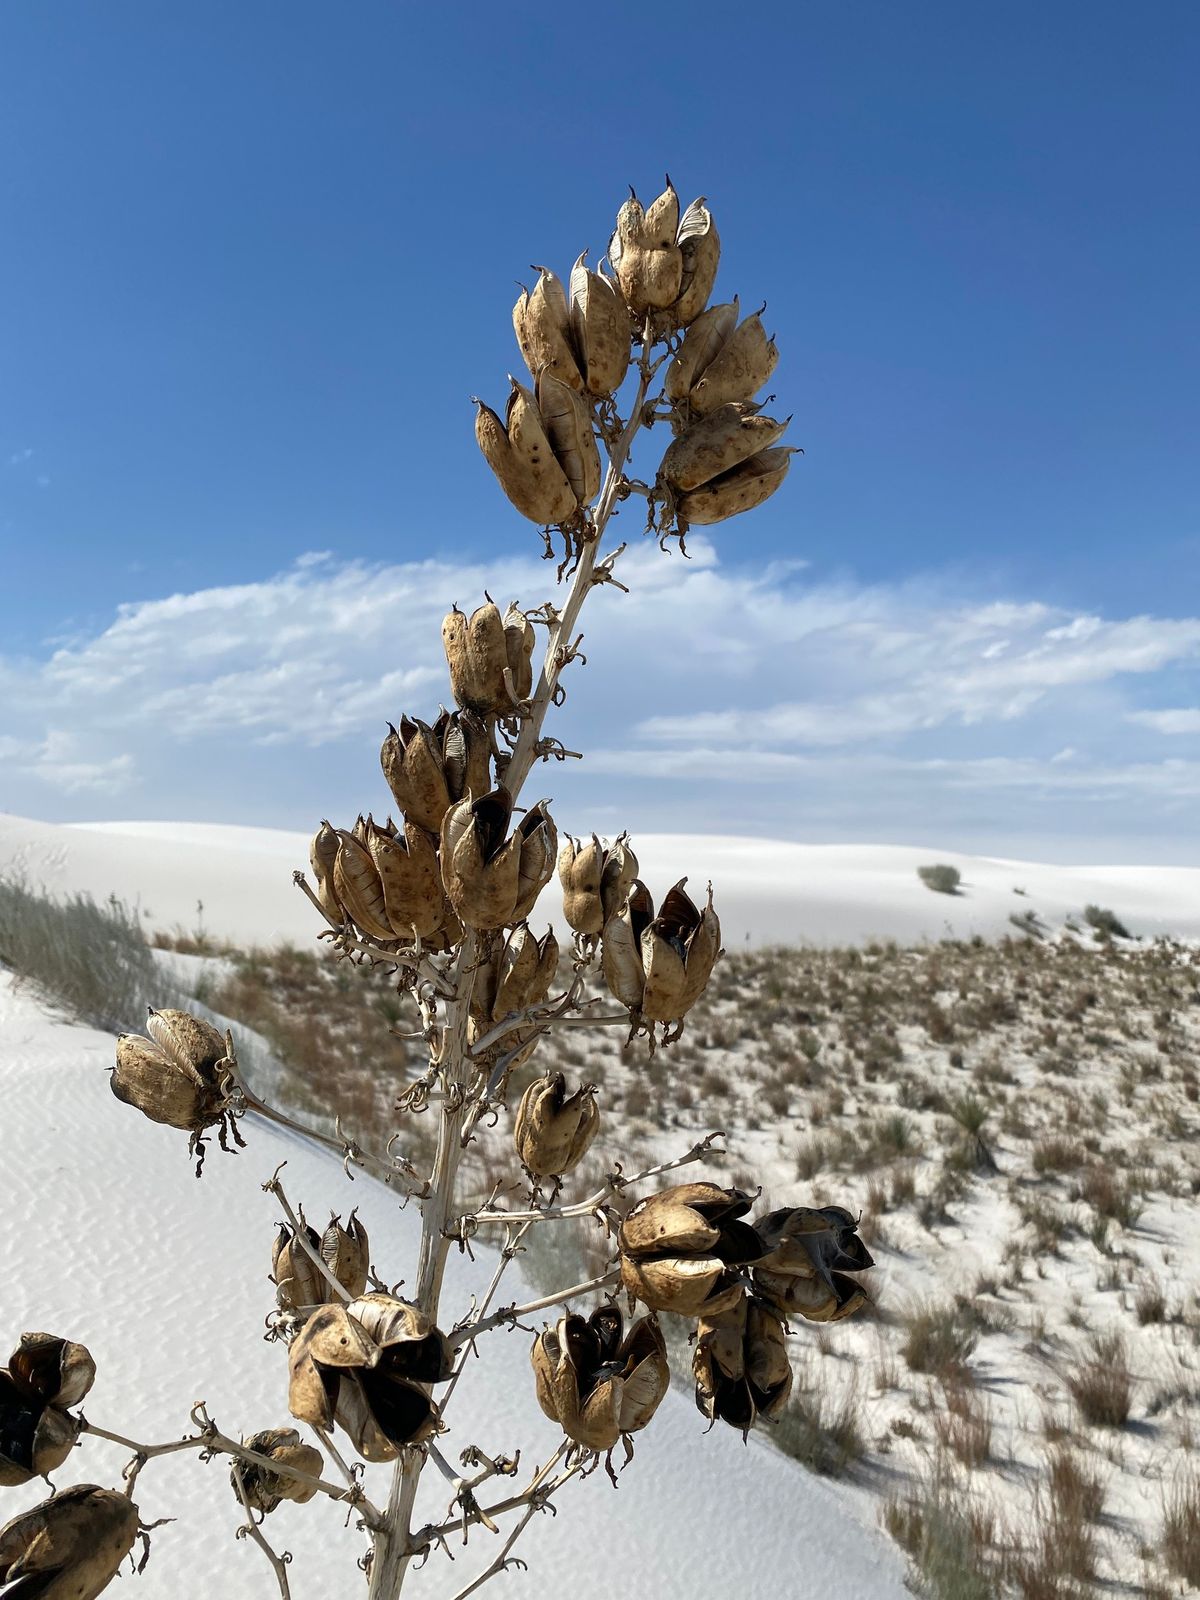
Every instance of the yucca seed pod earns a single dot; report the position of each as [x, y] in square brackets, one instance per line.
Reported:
[321, 854]
[596, 880]
[568, 427]
[542, 324]
[411, 879]
[647, 261]
[600, 324]
[69, 1547]
[739, 370]
[519, 453]
[741, 1365]
[518, 651]
[346, 1251]
[466, 752]
[552, 1130]
[298, 1281]
[701, 344]
[679, 951]
[384, 1405]
[700, 247]
[330, 1344]
[358, 887]
[741, 489]
[621, 952]
[165, 1085]
[809, 1252]
[718, 443]
[194, 1044]
[595, 1384]
[681, 1249]
[481, 864]
[413, 764]
[264, 1488]
[538, 843]
[45, 1375]
[526, 968]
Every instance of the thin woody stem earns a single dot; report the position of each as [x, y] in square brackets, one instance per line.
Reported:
[252, 1530]
[211, 1440]
[511, 1246]
[300, 1236]
[511, 1314]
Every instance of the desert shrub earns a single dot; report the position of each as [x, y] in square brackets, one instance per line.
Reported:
[947, 1551]
[940, 877]
[1101, 1385]
[92, 959]
[1106, 923]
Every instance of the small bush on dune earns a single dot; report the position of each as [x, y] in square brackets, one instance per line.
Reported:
[1106, 923]
[940, 877]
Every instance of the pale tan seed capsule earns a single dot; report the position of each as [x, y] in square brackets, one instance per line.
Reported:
[679, 949]
[538, 844]
[69, 1547]
[648, 264]
[542, 324]
[466, 754]
[486, 657]
[621, 954]
[265, 1489]
[569, 430]
[525, 971]
[701, 344]
[146, 1077]
[528, 434]
[528, 473]
[411, 758]
[58, 1371]
[700, 246]
[600, 323]
[552, 1130]
[359, 890]
[747, 485]
[518, 650]
[717, 443]
[481, 866]
[596, 880]
[411, 879]
[322, 854]
[298, 1281]
[739, 370]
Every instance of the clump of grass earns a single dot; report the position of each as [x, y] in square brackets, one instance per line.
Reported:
[1102, 1384]
[1106, 923]
[826, 1438]
[92, 959]
[948, 1550]
[938, 1340]
[1181, 1531]
[1076, 1493]
[965, 1427]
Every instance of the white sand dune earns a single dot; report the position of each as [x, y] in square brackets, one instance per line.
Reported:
[766, 891]
[110, 1240]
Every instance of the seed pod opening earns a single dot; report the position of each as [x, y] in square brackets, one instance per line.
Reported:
[552, 1130]
[600, 322]
[264, 1488]
[411, 758]
[595, 1384]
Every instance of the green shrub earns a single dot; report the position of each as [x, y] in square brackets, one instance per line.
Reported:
[940, 877]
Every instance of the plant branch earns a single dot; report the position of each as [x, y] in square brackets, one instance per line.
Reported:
[300, 1236]
[512, 1314]
[252, 1530]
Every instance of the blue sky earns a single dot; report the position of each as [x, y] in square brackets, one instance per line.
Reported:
[258, 256]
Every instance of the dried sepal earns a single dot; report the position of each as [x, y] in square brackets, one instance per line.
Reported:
[69, 1547]
[552, 1130]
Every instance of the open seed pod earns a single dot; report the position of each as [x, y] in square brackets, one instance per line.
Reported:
[596, 1384]
[553, 1130]
[412, 762]
[179, 1077]
[682, 1249]
[542, 324]
[365, 1365]
[644, 253]
[322, 854]
[721, 360]
[741, 1365]
[297, 1281]
[45, 1375]
[518, 452]
[264, 1488]
[717, 443]
[659, 966]
[568, 425]
[600, 324]
[596, 880]
[359, 888]
[700, 248]
[411, 880]
[346, 1251]
[69, 1547]
[808, 1253]
[490, 658]
[493, 878]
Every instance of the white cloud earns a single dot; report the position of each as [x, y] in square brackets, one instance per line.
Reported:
[1181, 719]
[800, 695]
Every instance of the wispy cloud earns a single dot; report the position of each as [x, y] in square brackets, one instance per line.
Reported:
[808, 703]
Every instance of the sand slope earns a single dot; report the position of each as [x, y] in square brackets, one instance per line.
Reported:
[766, 891]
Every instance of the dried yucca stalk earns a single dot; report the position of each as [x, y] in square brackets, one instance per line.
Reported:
[441, 899]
